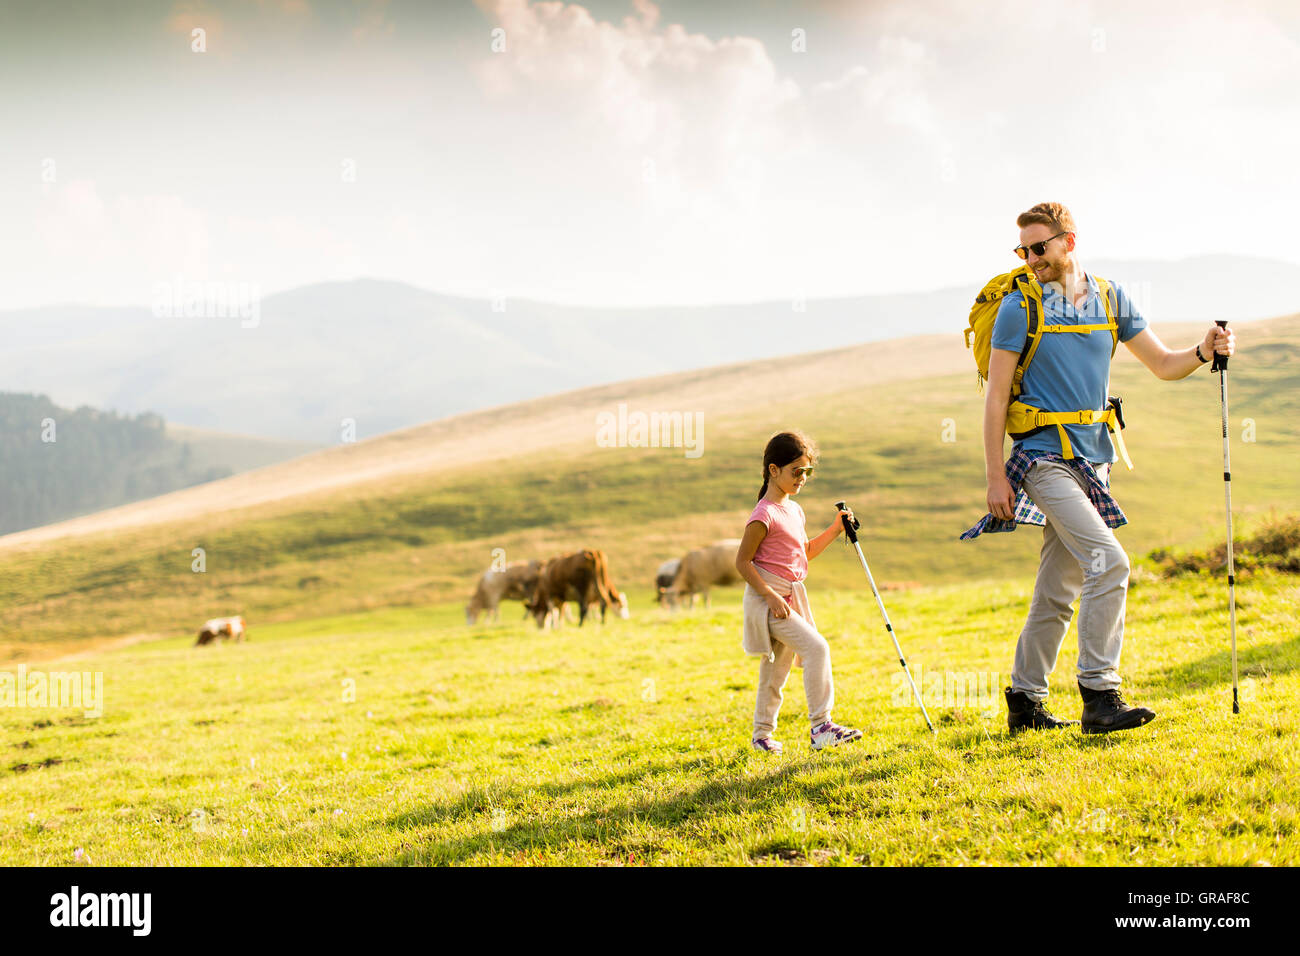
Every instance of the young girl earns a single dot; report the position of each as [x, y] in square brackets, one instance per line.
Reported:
[773, 557]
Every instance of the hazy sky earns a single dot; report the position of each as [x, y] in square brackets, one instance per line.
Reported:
[628, 152]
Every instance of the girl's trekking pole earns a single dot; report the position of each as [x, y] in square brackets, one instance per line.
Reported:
[1221, 366]
[851, 529]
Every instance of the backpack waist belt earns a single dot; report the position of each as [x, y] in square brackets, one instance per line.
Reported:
[1025, 420]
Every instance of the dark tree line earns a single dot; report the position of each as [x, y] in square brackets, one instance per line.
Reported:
[97, 460]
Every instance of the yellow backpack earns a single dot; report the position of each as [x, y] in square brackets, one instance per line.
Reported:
[1025, 420]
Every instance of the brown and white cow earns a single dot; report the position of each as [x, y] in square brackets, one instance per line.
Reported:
[703, 568]
[516, 581]
[583, 577]
[221, 628]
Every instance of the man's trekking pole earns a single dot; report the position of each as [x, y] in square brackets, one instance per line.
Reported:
[851, 529]
[1221, 366]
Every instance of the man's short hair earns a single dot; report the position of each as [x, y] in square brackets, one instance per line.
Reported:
[1051, 214]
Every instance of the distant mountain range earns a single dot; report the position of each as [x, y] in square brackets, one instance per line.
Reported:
[389, 355]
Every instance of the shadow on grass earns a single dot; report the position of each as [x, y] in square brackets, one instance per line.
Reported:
[700, 791]
[610, 826]
[1281, 657]
[615, 828]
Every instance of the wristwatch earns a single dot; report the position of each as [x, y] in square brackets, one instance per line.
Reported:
[1199, 355]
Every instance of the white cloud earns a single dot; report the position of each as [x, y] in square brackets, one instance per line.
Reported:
[694, 106]
[738, 177]
[115, 249]
[111, 245]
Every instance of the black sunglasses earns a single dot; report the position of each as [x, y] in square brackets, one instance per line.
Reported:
[1037, 248]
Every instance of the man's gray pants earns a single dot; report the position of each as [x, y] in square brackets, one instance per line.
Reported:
[1081, 559]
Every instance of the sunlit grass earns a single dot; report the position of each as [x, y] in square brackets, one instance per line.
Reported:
[628, 743]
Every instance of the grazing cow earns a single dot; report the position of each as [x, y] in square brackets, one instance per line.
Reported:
[583, 577]
[664, 577]
[222, 628]
[702, 569]
[516, 581]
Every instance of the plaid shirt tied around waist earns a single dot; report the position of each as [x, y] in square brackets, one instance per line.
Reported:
[1026, 512]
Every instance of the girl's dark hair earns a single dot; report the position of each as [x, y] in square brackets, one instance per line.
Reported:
[783, 448]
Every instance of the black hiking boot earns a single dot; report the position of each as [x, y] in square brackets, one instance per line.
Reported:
[1025, 713]
[1105, 710]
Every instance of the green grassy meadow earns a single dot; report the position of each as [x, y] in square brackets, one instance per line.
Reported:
[628, 744]
[365, 723]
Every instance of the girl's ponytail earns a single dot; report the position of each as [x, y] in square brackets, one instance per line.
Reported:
[762, 491]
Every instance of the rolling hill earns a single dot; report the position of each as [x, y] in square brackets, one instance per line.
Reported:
[410, 518]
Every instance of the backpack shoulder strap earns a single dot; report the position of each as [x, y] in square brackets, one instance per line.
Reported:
[1033, 303]
[1110, 299]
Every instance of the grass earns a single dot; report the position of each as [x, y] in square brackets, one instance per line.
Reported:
[1275, 544]
[627, 744]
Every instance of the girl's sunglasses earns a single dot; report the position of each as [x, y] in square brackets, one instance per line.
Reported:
[803, 472]
[1037, 248]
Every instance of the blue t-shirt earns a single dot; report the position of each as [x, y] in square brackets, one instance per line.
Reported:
[1070, 370]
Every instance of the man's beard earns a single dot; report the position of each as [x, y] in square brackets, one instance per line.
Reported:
[1053, 273]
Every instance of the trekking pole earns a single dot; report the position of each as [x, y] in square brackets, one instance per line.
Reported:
[1221, 366]
[851, 529]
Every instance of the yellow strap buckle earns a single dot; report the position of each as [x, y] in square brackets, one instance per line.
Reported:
[1081, 329]
[1086, 416]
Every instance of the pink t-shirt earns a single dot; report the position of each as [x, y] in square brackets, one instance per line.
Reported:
[782, 551]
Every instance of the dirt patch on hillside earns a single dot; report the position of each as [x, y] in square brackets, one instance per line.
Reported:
[566, 421]
[80, 650]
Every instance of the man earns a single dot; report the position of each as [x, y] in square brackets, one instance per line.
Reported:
[1068, 482]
